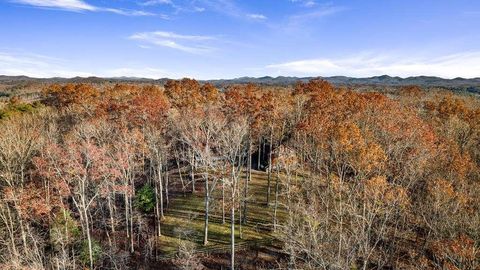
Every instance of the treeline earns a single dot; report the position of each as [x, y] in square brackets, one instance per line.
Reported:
[368, 181]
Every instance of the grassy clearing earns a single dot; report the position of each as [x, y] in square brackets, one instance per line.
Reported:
[184, 219]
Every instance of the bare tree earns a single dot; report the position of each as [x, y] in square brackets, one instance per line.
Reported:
[21, 139]
[232, 147]
[200, 134]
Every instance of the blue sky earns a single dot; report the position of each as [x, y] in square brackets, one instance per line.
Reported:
[209, 39]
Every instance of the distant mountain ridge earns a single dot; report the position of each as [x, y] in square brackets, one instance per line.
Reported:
[376, 80]
[471, 85]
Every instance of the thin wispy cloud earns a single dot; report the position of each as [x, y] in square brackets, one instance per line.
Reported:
[41, 66]
[228, 7]
[131, 12]
[195, 44]
[156, 2]
[258, 17]
[80, 6]
[71, 5]
[231, 9]
[169, 35]
[185, 7]
[141, 72]
[366, 65]
[34, 65]
[299, 19]
[305, 3]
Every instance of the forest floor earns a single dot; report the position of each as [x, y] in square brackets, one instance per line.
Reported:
[184, 220]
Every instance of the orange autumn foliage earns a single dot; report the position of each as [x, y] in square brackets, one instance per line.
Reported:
[64, 95]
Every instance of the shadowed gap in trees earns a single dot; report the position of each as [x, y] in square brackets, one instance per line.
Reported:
[260, 156]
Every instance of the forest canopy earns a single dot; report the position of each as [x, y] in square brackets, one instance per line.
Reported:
[96, 175]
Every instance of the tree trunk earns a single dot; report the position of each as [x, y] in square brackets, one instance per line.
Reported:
[160, 185]
[232, 235]
[10, 228]
[247, 180]
[269, 168]
[131, 227]
[207, 199]
[232, 217]
[240, 233]
[157, 211]
[89, 239]
[192, 172]
[112, 222]
[276, 202]
[84, 216]
[259, 158]
[166, 185]
[223, 201]
[22, 229]
[125, 195]
[180, 172]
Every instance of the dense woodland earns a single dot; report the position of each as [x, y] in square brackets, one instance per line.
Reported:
[353, 179]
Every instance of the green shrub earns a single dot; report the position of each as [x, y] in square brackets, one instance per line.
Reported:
[16, 106]
[85, 255]
[64, 228]
[145, 199]
[24, 107]
[3, 114]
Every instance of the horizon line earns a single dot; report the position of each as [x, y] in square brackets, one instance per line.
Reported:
[237, 78]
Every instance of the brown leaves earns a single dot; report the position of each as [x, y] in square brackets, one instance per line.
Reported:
[314, 87]
[444, 196]
[243, 100]
[189, 94]
[411, 91]
[460, 252]
[61, 96]
[150, 106]
[379, 192]
[76, 161]
[33, 202]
